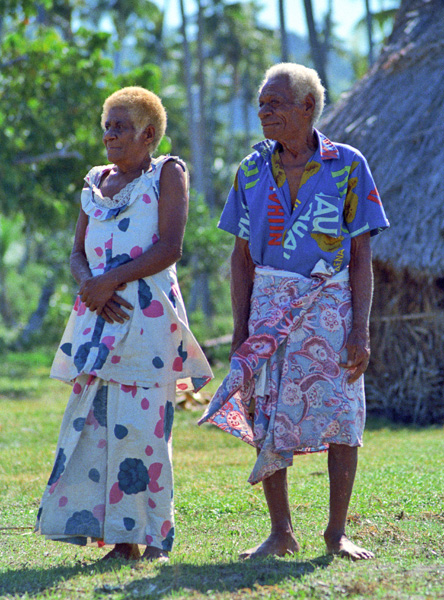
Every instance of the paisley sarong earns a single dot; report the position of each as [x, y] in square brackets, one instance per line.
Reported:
[286, 393]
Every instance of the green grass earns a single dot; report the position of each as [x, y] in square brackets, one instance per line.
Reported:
[397, 511]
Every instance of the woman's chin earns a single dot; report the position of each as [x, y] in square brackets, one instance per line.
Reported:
[112, 155]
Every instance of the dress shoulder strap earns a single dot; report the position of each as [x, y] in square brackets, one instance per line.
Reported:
[160, 161]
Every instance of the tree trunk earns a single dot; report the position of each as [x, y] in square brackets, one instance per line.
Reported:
[200, 290]
[283, 28]
[201, 295]
[204, 140]
[35, 322]
[317, 54]
[246, 103]
[197, 152]
[369, 23]
[5, 307]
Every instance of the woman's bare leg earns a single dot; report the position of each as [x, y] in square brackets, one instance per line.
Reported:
[153, 553]
[125, 551]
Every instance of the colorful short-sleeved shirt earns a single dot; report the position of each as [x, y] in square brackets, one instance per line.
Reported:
[337, 200]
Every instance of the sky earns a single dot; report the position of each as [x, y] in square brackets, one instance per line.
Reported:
[346, 13]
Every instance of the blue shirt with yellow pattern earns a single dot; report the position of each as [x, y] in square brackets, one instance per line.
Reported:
[336, 201]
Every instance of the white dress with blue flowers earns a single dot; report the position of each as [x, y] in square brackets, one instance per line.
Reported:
[112, 479]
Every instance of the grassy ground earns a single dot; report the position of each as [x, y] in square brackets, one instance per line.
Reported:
[396, 511]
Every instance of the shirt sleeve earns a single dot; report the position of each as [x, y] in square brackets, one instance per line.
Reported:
[363, 210]
[235, 216]
[89, 180]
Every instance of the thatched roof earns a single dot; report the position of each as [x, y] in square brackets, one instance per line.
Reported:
[395, 116]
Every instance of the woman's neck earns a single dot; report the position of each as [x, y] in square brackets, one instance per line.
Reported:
[132, 170]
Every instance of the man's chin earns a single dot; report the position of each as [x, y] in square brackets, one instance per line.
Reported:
[269, 135]
[269, 132]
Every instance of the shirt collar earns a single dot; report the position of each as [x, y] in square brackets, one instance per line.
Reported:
[326, 148]
[265, 147]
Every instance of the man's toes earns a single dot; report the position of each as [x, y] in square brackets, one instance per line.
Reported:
[356, 554]
[248, 553]
[270, 548]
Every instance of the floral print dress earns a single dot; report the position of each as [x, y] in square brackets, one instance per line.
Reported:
[112, 481]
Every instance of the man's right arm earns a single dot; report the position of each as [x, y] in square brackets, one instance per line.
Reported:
[242, 277]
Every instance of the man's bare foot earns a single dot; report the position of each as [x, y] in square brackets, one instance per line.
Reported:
[125, 551]
[274, 545]
[345, 548]
[151, 553]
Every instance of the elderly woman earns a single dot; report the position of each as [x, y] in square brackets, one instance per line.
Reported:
[126, 346]
[302, 209]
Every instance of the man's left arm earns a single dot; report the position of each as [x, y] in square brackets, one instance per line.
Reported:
[361, 282]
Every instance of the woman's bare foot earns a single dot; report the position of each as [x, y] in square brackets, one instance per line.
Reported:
[151, 553]
[125, 551]
[275, 545]
[345, 548]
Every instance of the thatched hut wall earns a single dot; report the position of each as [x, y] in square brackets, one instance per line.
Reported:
[395, 116]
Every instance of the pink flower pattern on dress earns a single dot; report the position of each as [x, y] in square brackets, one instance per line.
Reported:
[139, 497]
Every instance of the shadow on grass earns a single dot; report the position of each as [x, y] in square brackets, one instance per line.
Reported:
[168, 578]
[37, 580]
[223, 577]
[34, 581]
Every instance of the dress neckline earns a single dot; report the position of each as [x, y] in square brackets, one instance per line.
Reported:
[120, 198]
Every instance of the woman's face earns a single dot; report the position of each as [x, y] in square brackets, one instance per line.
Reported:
[119, 137]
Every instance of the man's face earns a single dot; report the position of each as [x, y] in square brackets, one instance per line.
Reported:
[281, 117]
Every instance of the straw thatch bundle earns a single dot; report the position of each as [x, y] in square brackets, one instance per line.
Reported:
[395, 116]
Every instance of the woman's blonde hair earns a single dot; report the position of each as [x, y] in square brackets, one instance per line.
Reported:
[144, 108]
[302, 81]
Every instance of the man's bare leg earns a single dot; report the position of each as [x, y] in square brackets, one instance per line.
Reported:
[281, 540]
[125, 551]
[342, 463]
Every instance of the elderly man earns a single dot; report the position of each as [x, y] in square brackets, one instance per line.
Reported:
[302, 209]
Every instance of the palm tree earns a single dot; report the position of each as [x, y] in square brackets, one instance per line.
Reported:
[317, 49]
[243, 49]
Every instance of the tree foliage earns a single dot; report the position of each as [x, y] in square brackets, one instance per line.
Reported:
[46, 138]
[52, 88]
[57, 65]
[49, 135]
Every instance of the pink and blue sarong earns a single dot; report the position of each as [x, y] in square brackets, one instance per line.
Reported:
[285, 393]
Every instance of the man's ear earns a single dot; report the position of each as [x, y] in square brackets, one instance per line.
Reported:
[309, 104]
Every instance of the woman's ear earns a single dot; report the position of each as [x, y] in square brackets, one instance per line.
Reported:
[149, 133]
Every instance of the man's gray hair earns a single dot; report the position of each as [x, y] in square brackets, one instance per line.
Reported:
[302, 81]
